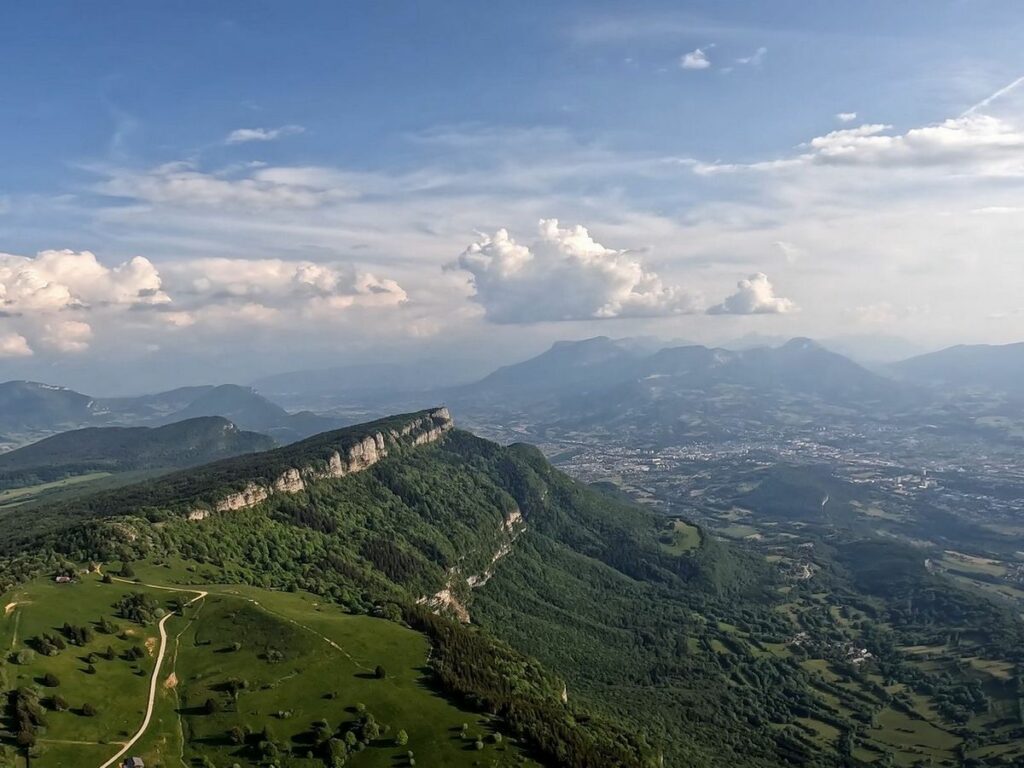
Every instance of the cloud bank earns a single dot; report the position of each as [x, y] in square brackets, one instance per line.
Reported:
[65, 300]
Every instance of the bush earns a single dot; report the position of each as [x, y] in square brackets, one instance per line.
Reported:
[50, 680]
[88, 710]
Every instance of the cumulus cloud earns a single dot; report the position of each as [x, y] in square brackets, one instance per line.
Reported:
[14, 345]
[68, 335]
[243, 135]
[754, 296]
[695, 59]
[64, 300]
[846, 117]
[53, 281]
[564, 275]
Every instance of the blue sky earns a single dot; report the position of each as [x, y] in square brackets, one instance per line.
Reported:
[245, 174]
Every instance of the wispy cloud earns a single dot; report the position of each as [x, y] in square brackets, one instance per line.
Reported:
[243, 135]
[756, 59]
[846, 117]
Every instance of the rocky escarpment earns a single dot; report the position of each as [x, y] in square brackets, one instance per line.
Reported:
[447, 600]
[423, 428]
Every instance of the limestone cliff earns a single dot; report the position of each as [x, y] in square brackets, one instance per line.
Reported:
[351, 455]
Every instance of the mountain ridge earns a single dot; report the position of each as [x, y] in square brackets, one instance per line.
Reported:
[118, 449]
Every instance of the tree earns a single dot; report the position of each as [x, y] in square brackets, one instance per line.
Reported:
[211, 706]
[127, 571]
[402, 738]
[380, 673]
[50, 680]
[88, 710]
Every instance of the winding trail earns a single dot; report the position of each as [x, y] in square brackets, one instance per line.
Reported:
[154, 680]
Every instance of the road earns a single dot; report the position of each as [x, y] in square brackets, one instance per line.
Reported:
[155, 679]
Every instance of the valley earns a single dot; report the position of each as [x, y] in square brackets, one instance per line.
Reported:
[789, 573]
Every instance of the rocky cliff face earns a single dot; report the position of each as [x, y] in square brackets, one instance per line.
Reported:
[428, 428]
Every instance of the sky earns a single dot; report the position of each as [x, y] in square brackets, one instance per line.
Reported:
[212, 192]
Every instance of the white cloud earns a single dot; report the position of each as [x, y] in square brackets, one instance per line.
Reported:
[790, 252]
[68, 300]
[695, 59]
[846, 117]
[565, 275]
[297, 285]
[14, 345]
[754, 296]
[756, 59]
[58, 280]
[182, 185]
[68, 335]
[243, 135]
[974, 144]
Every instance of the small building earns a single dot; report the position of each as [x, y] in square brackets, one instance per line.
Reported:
[133, 762]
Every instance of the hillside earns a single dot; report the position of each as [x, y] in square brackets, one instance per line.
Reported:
[31, 407]
[984, 366]
[250, 410]
[557, 607]
[120, 449]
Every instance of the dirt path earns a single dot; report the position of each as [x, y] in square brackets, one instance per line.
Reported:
[154, 680]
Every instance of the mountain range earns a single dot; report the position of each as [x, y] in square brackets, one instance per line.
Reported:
[31, 411]
[688, 389]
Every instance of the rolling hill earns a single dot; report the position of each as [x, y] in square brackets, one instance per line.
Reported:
[120, 449]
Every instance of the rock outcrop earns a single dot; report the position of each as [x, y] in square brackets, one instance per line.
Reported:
[446, 600]
[430, 427]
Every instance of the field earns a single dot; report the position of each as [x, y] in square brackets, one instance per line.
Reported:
[14, 496]
[679, 536]
[248, 675]
[71, 487]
